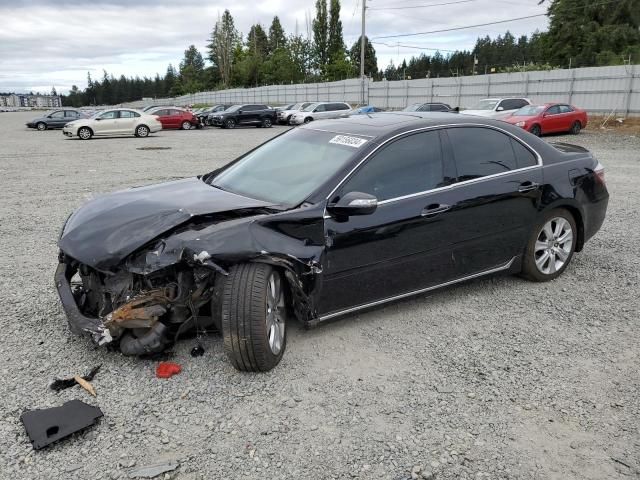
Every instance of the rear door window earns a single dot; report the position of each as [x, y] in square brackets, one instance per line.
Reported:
[565, 109]
[479, 152]
[70, 114]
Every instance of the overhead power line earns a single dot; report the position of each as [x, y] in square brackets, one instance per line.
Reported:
[421, 6]
[395, 45]
[497, 22]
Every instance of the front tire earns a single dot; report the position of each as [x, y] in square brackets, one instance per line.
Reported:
[85, 133]
[254, 317]
[186, 125]
[308, 119]
[576, 127]
[551, 246]
[266, 123]
[142, 131]
[536, 130]
[41, 126]
[231, 123]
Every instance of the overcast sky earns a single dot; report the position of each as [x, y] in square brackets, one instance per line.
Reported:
[54, 43]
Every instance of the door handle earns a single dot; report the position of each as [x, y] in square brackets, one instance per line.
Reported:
[434, 209]
[528, 186]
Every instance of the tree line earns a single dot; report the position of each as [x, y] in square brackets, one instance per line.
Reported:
[581, 33]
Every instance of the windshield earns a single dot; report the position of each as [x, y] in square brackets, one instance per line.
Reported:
[233, 108]
[413, 108]
[297, 106]
[310, 107]
[485, 105]
[97, 113]
[286, 170]
[528, 111]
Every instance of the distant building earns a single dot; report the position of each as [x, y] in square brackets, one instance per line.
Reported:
[27, 100]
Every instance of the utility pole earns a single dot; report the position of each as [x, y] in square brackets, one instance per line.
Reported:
[362, 46]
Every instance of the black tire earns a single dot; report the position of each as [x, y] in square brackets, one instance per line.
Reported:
[576, 127]
[245, 316]
[308, 119]
[230, 123]
[207, 122]
[41, 126]
[536, 130]
[142, 131]
[85, 133]
[266, 123]
[530, 269]
[186, 125]
[288, 122]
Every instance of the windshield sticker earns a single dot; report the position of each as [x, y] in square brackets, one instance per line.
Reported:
[354, 142]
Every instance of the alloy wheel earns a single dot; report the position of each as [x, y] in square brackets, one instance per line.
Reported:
[84, 133]
[41, 126]
[186, 125]
[275, 317]
[143, 131]
[553, 245]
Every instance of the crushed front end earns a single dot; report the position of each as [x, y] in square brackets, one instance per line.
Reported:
[139, 310]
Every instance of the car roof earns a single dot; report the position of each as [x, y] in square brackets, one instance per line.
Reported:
[381, 124]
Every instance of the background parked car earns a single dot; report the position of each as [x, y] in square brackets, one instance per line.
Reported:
[118, 121]
[55, 119]
[284, 115]
[176, 118]
[549, 118]
[249, 114]
[367, 109]
[212, 111]
[320, 111]
[496, 107]
[428, 107]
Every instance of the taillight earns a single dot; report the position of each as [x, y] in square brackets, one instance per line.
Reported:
[599, 171]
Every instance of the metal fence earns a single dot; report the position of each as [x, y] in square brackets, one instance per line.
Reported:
[596, 89]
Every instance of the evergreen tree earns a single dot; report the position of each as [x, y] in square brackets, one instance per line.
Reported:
[370, 59]
[192, 71]
[320, 28]
[277, 38]
[223, 46]
[335, 45]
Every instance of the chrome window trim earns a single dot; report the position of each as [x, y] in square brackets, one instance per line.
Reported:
[497, 269]
[437, 127]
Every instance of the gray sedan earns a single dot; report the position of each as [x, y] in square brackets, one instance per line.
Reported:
[55, 119]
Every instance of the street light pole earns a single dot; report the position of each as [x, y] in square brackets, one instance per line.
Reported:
[362, 46]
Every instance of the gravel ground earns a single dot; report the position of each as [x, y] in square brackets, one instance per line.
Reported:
[499, 378]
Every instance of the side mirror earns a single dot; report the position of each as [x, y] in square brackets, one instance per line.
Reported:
[98, 119]
[354, 203]
[239, 111]
[499, 109]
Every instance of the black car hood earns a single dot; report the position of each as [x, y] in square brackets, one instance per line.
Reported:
[107, 229]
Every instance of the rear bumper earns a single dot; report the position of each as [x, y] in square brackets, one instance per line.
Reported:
[595, 213]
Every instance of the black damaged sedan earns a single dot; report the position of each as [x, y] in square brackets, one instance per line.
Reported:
[322, 221]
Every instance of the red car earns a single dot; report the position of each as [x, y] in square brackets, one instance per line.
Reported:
[549, 118]
[176, 118]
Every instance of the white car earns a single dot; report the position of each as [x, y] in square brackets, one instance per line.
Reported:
[114, 121]
[320, 111]
[496, 107]
[285, 115]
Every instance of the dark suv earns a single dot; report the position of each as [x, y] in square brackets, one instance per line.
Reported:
[250, 114]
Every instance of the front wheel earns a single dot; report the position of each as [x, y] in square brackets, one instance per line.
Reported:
[41, 126]
[142, 131]
[231, 123]
[550, 247]
[266, 123]
[186, 125]
[536, 130]
[254, 317]
[85, 133]
[308, 119]
[576, 127]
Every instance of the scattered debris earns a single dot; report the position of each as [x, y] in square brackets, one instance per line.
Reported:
[167, 369]
[62, 384]
[45, 426]
[197, 351]
[86, 385]
[150, 471]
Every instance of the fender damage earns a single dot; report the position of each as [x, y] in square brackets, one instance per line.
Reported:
[162, 274]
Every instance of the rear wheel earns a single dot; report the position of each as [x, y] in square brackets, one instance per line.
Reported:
[85, 133]
[536, 130]
[550, 247]
[186, 125]
[41, 126]
[254, 317]
[142, 131]
[576, 127]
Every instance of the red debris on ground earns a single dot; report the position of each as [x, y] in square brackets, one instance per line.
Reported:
[167, 369]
